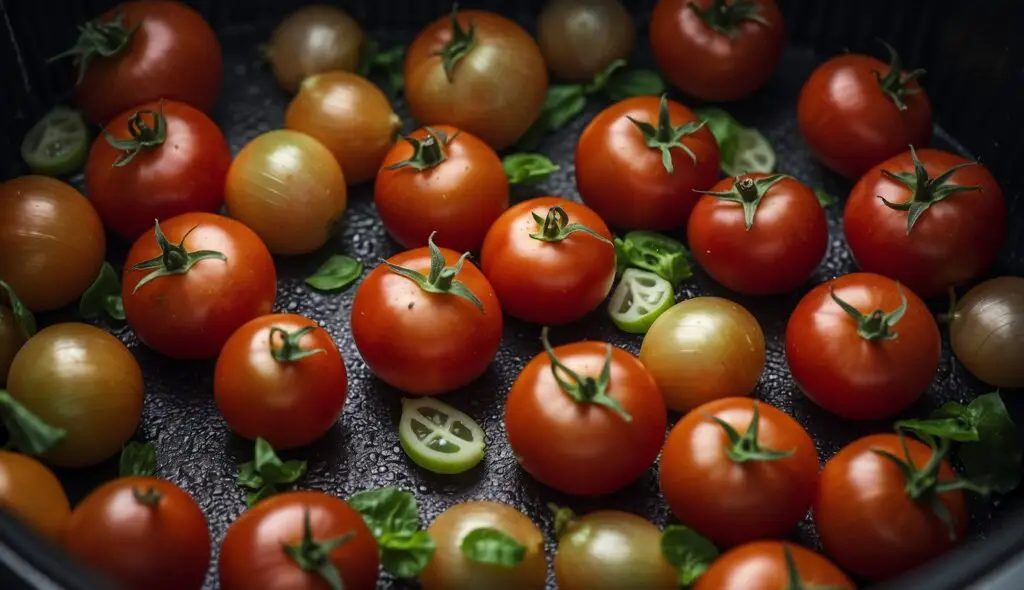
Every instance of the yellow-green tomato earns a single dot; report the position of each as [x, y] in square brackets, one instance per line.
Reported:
[987, 332]
[704, 349]
[11, 339]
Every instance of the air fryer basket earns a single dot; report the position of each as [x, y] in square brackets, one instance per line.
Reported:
[971, 50]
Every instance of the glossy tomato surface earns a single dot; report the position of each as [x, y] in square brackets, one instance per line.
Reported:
[32, 493]
[761, 565]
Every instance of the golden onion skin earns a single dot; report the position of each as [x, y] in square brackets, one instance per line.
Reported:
[987, 332]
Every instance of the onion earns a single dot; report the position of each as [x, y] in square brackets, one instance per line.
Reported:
[313, 40]
[987, 331]
[579, 38]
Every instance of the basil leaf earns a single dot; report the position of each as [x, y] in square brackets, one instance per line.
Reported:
[601, 78]
[336, 273]
[625, 84]
[390, 61]
[492, 546]
[28, 433]
[995, 459]
[655, 252]
[952, 421]
[392, 516]
[725, 129]
[266, 473]
[687, 551]
[26, 321]
[824, 198]
[561, 105]
[103, 296]
[528, 168]
[137, 459]
[405, 556]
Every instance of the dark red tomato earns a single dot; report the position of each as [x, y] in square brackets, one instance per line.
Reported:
[280, 377]
[449, 182]
[762, 235]
[578, 431]
[733, 489]
[957, 228]
[143, 51]
[143, 532]
[855, 111]
[620, 167]
[765, 565]
[196, 286]
[168, 159]
[872, 520]
[254, 554]
[869, 361]
[717, 49]
[547, 273]
[418, 328]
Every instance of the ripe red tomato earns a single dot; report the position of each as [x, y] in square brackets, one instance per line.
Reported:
[200, 299]
[717, 49]
[549, 276]
[855, 111]
[282, 378]
[143, 51]
[143, 532]
[32, 493]
[954, 237]
[752, 483]
[169, 159]
[625, 178]
[447, 181]
[424, 335]
[762, 235]
[863, 369]
[252, 554]
[874, 522]
[585, 418]
[764, 565]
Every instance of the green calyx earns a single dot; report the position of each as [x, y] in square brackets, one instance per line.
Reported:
[793, 579]
[725, 17]
[148, 497]
[314, 556]
[896, 82]
[748, 193]
[746, 448]
[441, 278]
[174, 258]
[28, 433]
[555, 227]
[584, 389]
[926, 191]
[664, 137]
[426, 153]
[878, 324]
[143, 136]
[98, 39]
[459, 46]
[290, 349]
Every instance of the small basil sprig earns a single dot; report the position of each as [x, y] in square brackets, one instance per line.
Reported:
[492, 546]
[390, 61]
[28, 433]
[137, 459]
[103, 296]
[392, 516]
[24, 318]
[336, 273]
[266, 473]
[823, 196]
[528, 169]
[741, 149]
[687, 551]
[654, 252]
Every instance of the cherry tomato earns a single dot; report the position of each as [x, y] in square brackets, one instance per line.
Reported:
[553, 271]
[759, 234]
[867, 362]
[51, 241]
[281, 543]
[936, 231]
[156, 161]
[427, 321]
[855, 111]
[477, 71]
[585, 418]
[874, 520]
[143, 532]
[622, 170]
[765, 565]
[579, 38]
[202, 277]
[282, 378]
[142, 51]
[717, 49]
[313, 40]
[32, 493]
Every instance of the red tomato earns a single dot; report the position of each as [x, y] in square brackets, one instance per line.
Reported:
[150, 49]
[32, 493]
[203, 297]
[762, 235]
[252, 554]
[553, 279]
[449, 182]
[423, 336]
[758, 485]
[143, 532]
[764, 565]
[578, 431]
[179, 170]
[855, 111]
[866, 369]
[953, 241]
[717, 49]
[876, 523]
[622, 177]
[282, 378]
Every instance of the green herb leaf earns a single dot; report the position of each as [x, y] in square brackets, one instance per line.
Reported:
[405, 556]
[602, 77]
[390, 61]
[103, 296]
[655, 252]
[824, 198]
[741, 149]
[953, 421]
[723, 127]
[625, 84]
[137, 459]
[492, 546]
[687, 551]
[392, 516]
[336, 273]
[26, 321]
[528, 169]
[561, 105]
[28, 433]
[266, 473]
[995, 459]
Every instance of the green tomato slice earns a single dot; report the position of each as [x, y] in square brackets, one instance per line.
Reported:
[639, 299]
[58, 144]
[439, 438]
[753, 154]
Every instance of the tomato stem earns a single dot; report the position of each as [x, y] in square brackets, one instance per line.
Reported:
[143, 137]
[950, 314]
[150, 497]
[291, 349]
[27, 432]
[876, 325]
[748, 193]
[174, 258]
[565, 519]
[896, 82]
[441, 278]
[664, 137]
[555, 227]
[926, 191]
[726, 17]
[746, 448]
[315, 556]
[584, 388]
[97, 39]
[461, 43]
[426, 153]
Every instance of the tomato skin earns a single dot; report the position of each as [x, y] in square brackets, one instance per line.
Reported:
[184, 175]
[173, 55]
[191, 315]
[459, 198]
[425, 343]
[33, 494]
[850, 124]
[549, 283]
[952, 243]
[624, 180]
[585, 449]
[761, 565]
[709, 65]
[290, 404]
[776, 255]
[251, 555]
[729, 502]
[866, 520]
[161, 547]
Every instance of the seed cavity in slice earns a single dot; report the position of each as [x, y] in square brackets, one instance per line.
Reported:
[438, 437]
[639, 299]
